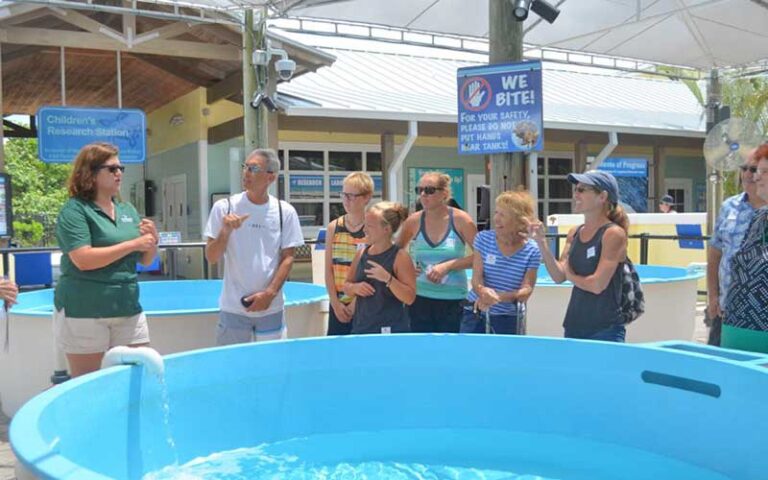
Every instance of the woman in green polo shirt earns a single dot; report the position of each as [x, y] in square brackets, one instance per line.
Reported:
[102, 239]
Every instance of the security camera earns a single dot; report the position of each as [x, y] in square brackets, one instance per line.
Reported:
[285, 68]
[542, 8]
[261, 98]
[257, 99]
[269, 103]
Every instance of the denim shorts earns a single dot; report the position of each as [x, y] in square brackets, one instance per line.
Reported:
[615, 333]
[474, 322]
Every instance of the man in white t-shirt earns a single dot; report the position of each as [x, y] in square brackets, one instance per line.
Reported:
[256, 234]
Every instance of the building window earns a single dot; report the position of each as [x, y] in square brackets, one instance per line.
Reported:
[306, 160]
[345, 161]
[312, 179]
[373, 162]
[555, 192]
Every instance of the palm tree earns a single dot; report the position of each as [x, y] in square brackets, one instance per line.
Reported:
[746, 95]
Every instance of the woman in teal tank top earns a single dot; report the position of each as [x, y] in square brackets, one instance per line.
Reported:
[437, 238]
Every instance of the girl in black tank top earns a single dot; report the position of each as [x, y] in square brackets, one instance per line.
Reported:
[382, 276]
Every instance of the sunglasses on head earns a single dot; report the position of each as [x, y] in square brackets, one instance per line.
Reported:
[427, 190]
[111, 168]
[254, 168]
[751, 170]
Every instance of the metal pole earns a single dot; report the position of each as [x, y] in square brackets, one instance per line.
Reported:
[644, 248]
[254, 125]
[119, 81]
[62, 65]
[715, 193]
[506, 45]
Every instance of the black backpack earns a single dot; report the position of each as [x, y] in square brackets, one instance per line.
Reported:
[632, 299]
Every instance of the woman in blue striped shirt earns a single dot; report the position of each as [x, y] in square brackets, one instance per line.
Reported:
[504, 267]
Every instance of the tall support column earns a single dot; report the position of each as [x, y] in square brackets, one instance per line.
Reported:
[254, 121]
[715, 177]
[659, 172]
[2, 134]
[506, 45]
[387, 159]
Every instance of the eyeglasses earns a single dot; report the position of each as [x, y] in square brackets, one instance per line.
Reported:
[745, 168]
[112, 168]
[255, 168]
[350, 196]
[582, 189]
[427, 190]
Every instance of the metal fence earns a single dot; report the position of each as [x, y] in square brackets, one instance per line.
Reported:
[303, 253]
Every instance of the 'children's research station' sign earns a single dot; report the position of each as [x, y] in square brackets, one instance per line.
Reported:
[63, 131]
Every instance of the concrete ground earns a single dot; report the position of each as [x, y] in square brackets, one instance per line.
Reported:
[7, 460]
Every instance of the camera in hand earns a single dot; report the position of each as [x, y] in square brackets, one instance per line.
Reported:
[244, 300]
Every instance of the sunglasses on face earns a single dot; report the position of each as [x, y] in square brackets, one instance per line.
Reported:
[111, 168]
[427, 190]
[255, 168]
[350, 196]
[582, 189]
[747, 168]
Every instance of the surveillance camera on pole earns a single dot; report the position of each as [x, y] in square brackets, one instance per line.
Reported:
[285, 67]
[542, 8]
[261, 98]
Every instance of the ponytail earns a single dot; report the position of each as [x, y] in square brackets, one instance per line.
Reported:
[617, 215]
[393, 214]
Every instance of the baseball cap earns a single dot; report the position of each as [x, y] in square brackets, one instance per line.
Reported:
[599, 179]
[667, 199]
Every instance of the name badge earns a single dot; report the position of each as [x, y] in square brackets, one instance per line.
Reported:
[491, 259]
[732, 216]
[386, 330]
[450, 243]
[591, 252]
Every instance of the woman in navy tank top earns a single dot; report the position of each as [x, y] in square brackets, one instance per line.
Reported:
[591, 258]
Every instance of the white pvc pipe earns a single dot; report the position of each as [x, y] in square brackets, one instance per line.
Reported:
[397, 164]
[613, 141]
[148, 357]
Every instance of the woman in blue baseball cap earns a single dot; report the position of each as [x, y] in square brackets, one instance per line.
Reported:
[591, 258]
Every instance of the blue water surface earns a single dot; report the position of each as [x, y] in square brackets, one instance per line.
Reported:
[435, 454]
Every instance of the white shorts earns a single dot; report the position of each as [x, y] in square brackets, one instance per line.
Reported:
[97, 335]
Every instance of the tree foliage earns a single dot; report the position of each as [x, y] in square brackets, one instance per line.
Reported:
[39, 191]
[746, 96]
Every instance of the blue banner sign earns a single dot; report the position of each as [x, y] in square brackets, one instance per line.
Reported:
[632, 176]
[625, 167]
[306, 186]
[500, 108]
[63, 131]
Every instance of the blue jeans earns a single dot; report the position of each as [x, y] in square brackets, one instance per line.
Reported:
[472, 322]
[616, 333]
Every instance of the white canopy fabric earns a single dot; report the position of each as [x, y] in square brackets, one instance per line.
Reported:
[691, 33]
[700, 34]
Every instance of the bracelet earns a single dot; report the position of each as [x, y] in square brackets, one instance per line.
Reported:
[389, 282]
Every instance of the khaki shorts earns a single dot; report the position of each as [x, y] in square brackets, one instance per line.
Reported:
[97, 335]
